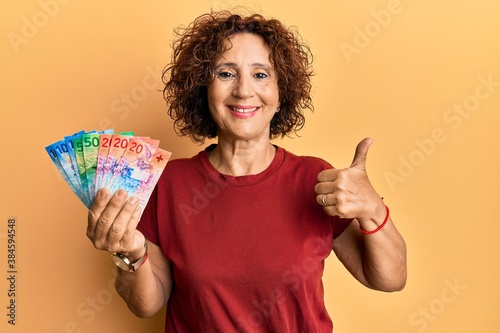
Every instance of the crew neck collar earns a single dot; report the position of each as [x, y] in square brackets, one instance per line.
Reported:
[245, 180]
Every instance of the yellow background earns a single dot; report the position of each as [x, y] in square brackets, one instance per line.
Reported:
[71, 65]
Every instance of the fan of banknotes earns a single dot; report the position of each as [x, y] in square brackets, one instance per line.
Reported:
[89, 161]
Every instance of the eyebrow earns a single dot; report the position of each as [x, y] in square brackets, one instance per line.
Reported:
[254, 65]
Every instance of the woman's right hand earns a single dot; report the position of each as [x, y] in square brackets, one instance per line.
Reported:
[112, 223]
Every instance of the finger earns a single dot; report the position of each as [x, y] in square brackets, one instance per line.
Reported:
[331, 210]
[328, 175]
[359, 160]
[321, 199]
[326, 199]
[132, 242]
[125, 223]
[98, 205]
[338, 208]
[134, 248]
[109, 214]
[324, 188]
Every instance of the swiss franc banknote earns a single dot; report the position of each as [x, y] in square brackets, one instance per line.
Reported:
[89, 161]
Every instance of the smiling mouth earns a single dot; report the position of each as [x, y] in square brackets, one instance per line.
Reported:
[246, 110]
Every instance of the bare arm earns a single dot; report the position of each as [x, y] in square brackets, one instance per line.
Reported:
[377, 260]
[148, 289]
[112, 224]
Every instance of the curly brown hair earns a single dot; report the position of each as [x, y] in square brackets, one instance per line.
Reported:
[192, 68]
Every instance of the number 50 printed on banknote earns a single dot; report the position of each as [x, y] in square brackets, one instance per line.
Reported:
[89, 161]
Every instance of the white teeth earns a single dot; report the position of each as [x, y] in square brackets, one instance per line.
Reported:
[243, 110]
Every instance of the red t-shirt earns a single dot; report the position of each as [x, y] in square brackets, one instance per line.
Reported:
[247, 252]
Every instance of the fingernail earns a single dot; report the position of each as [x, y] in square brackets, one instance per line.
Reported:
[133, 200]
[103, 193]
[121, 194]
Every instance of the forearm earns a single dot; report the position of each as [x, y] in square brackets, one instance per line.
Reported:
[376, 254]
[142, 290]
[112, 227]
[384, 259]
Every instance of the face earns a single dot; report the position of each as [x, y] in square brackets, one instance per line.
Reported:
[244, 95]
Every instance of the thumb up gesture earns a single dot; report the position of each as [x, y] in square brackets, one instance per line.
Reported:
[347, 193]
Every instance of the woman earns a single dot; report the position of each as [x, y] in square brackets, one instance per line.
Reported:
[235, 238]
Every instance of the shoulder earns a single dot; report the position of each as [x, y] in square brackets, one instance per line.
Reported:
[176, 170]
[180, 164]
[302, 169]
[305, 161]
[183, 163]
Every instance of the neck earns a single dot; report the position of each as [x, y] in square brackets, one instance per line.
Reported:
[242, 158]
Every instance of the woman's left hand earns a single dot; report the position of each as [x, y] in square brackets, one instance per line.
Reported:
[347, 193]
[376, 260]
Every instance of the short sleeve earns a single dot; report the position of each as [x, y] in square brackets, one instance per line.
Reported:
[148, 223]
[339, 225]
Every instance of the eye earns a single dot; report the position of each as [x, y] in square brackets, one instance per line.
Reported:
[224, 75]
[261, 75]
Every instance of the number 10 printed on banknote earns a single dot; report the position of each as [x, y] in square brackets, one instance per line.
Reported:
[89, 161]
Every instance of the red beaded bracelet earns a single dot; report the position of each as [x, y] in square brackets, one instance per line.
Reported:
[380, 226]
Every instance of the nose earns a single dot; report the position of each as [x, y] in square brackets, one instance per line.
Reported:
[243, 87]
